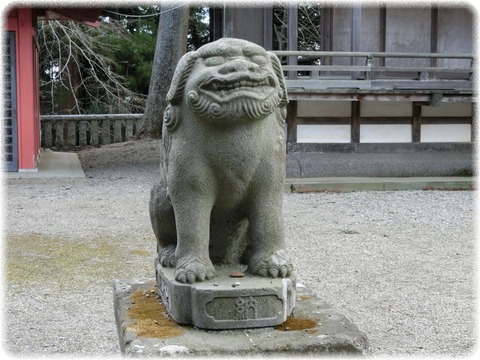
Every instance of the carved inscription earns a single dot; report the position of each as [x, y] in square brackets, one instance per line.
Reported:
[244, 307]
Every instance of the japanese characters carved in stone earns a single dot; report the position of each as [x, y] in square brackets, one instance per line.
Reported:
[219, 197]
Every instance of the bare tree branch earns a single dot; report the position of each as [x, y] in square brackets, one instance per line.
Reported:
[309, 26]
[72, 58]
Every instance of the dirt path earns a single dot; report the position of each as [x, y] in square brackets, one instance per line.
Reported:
[400, 265]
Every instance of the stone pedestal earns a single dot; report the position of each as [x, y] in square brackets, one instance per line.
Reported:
[227, 302]
[313, 328]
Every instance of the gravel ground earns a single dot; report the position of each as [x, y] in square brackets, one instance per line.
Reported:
[401, 265]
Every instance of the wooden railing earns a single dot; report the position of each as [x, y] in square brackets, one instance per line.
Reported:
[367, 72]
[377, 70]
[80, 130]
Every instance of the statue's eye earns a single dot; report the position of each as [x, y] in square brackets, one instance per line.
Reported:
[259, 60]
[214, 61]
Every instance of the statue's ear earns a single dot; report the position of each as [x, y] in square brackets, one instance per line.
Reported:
[171, 117]
[277, 68]
[182, 72]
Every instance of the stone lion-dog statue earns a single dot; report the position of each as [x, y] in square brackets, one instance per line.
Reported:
[220, 194]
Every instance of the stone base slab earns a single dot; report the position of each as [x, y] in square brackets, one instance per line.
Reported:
[227, 302]
[313, 328]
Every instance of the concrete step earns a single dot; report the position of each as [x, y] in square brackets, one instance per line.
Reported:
[346, 184]
[52, 164]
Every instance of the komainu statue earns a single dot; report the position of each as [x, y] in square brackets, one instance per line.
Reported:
[219, 197]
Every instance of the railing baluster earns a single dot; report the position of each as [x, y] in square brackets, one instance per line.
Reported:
[88, 129]
[369, 62]
[117, 131]
[94, 132]
[47, 134]
[128, 129]
[105, 131]
[71, 133]
[82, 133]
[59, 133]
[375, 75]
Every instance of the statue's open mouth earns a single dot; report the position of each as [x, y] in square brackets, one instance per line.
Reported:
[224, 89]
[235, 96]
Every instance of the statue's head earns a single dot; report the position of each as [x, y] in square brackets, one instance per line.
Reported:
[229, 80]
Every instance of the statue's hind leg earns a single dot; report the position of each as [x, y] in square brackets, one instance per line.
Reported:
[163, 223]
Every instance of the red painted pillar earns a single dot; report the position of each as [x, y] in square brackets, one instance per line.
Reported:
[27, 91]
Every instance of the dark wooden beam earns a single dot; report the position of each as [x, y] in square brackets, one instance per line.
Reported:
[292, 37]
[268, 28]
[355, 130]
[386, 120]
[292, 122]
[416, 122]
[356, 32]
[327, 30]
[324, 120]
[216, 23]
[382, 33]
[382, 120]
[375, 95]
[446, 120]
[474, 130]
[434, 34]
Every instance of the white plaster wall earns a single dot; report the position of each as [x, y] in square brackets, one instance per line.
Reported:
[385, 109]
[376, 133]
[324, 108]
[371, 133]
[446, 133]
[323, 134]
[397, 133]
[448, 109]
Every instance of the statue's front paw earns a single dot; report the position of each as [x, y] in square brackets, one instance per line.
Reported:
[271, 265]
[193, 268]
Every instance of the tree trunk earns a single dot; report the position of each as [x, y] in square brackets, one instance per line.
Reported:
[171, 45]
[68, 103]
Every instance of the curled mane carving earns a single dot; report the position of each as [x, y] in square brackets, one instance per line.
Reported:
[182, 72]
